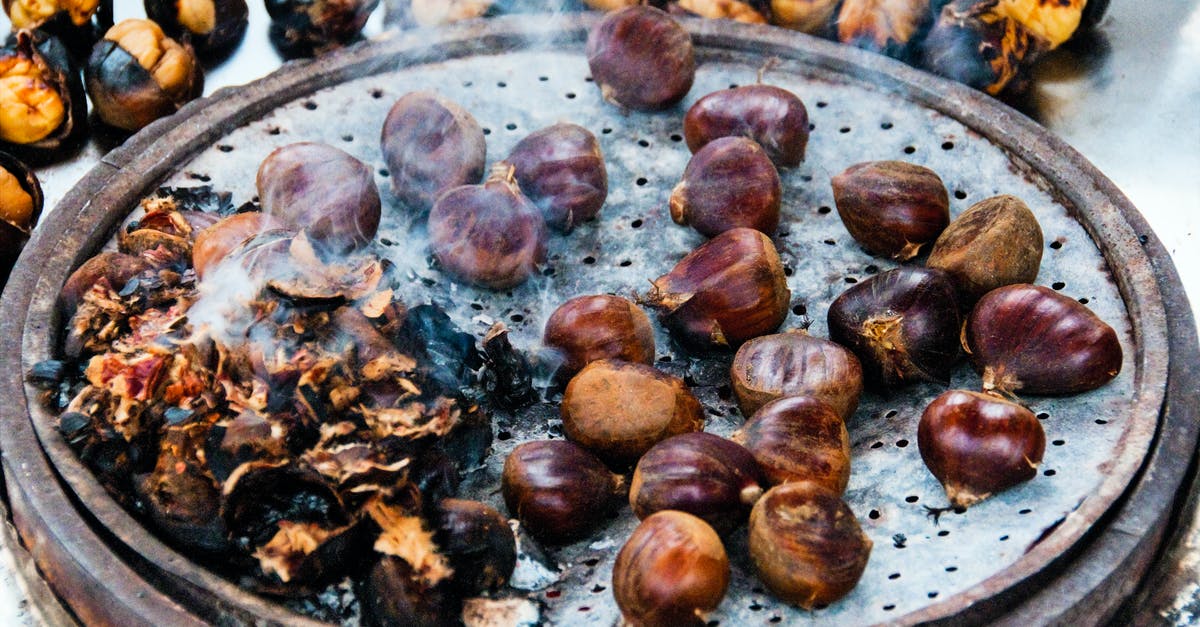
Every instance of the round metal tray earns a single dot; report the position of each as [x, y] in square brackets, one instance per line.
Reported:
[519, 74]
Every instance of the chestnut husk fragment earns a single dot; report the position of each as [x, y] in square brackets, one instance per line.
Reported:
[391, 594]
[672, 570]
[19, 187]
[215, 27]
[888, 27]
[995, 242]
[587, 328]
[806, 544]
[180, 496]
[306, 28]
[558, 490]
[57, 72]
[728, 290]
[641, 58]
[979, 444]
[561, 170]
[1032, 339]
[430, 145]
[729, 183]
[799, 438]
[477, 542]
[772, 116]
[892, 208]
[794, 363]
[699, 473]
[902, 324]
[508, 376]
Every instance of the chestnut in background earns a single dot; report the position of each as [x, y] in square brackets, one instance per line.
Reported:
[214, 27]
[43, 109]
[20, 208]
[76, 22]
[641, 58]
[305, 28]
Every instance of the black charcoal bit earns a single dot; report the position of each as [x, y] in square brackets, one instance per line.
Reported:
[900, 541]
[47, 374]
[176, 415]
[507, 375]
[448, 353]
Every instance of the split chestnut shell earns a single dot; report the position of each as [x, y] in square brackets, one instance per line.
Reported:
[773, 117]
[641, 58]
[558, 490]
[728, 183]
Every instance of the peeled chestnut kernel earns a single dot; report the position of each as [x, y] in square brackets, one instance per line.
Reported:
[1033, 339]
[995, 242]
[729, 183]
[902, 324]
[43, 110]
[641, 58]
[477, 542]
[490, 234]
[213, 26]
[979, 444]
[430, 144]
[794, 363]
[672, 571]
[888, 27]
[558, 490]
[304, 28]
[698, 473]
[773, 117]
[892, 208]
[560, 168]
[730, 289]
[799, 438]
[587, 328]
[806, 545]
[20, 208]
[808, 16]
[216, 243]
[618, 410]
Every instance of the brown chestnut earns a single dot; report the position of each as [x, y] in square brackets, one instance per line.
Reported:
[730, 289]
[808, 16]
[20, 208]
[74, 22]
[728, 183]
[794, 363]
[902, 324]
[641, 58]
[304, 28]
[477, 542]
[215, 244]
[561, 169]
[892, 208]
[213, 26]
[806, 545]
[558, 490]
[490, 234]
[618, 410]
[672, 571]
[698, 473]
[979, 444]
[430, 145]
[773, 117]
[587, 328]
[997, 241]
[1033, 339]
[799, 438]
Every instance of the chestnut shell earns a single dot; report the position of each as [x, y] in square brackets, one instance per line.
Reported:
[477, 542]
[304, 28]
[641, 58]
[13, 235]
[773, 117]
[230, 18]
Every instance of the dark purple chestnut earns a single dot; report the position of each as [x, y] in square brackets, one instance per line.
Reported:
[20, 208]
[995, 242]
[488, 235]
[1033, 339]
[892, 208]
[477, 542]
[730, 289]
[902, 324]
[43, 109]
[979, 444]
[393, 593]
[729, 183]
[773, 117]
[110, 269]
[698, 473]
[561, 169]
[587, 328]
[323, 191]
[214, 27]
[794, 363]
[889, 27]
[799, 438]
[430, 145]
[558, 490]
[305, 28]
[641, 58]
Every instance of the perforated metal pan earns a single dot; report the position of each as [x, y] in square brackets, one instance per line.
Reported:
[1085, 528]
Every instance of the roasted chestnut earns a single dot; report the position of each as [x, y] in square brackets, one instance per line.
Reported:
[587, 328]
[325, 192]
[995, 242]
[641, 58]
[1033, 339]
[180, 495]
[214, 27]
[979, 444]
[430, 145]
[806, 545]
[980, 44]
[392, 593]
[304, 28]
[799, 438]
[215, 244]
[561, 169]
[808, 16]
[747, 11]
[773, 117]
[490, 234]
[892, 208]
[111, 269]
[902, 324]
[558, 490]
[43, 110]
[672, 571]
[887, 27]
[794, 363]
[729, 183]
[730, 289]
[698, 473]
[137, 74]
[75, 22]
[477, 542]
[20, 208]
[618, 410]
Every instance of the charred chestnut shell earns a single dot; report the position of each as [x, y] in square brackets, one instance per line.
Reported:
[214, 27]
[729, 183]
[20, 208]
[75, 22]
[558, 490]
[892, 208]
[477, 542]
[794, 363]
[304, 28]
[43, 109]
[773, 117]
[641, 58]
[978, 45]
[111, 268]
[430, 144]
[561, 169]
